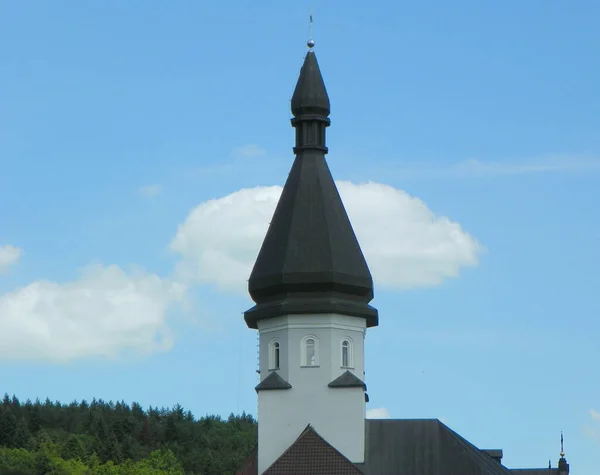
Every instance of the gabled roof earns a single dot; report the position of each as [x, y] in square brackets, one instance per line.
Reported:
[310, 454]
[271, 382]
[423, 447]
[392, 447]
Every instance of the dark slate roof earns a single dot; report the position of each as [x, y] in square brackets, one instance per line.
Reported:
[494, 453]
[423, 447]
[310, 454]
[535, 471]
[310, 95]
[271, 382]
[310, 260]
[392, 447]
[347, 380]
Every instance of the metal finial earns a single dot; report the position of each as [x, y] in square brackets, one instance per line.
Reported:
[562, 448]
[310, 43]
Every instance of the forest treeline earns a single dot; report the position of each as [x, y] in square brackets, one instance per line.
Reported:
[106, 438]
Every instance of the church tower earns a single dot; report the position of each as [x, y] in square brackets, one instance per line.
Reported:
[312, 288]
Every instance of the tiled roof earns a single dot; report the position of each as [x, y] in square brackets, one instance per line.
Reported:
[250, 465]
[310, 454]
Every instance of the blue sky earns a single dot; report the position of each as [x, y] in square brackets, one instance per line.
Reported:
[121, 120]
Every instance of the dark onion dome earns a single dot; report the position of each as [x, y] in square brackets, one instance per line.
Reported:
[310, 95]
[310, 261]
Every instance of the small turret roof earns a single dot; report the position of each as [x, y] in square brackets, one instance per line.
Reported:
[310, 95]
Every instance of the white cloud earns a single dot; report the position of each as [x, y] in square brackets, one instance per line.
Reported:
[475, 168]
[592, 429]
[378, 413]
[591, 433]
[149, 191]
[104, 312]
[248, 151]
[405, 243]
[9, 256]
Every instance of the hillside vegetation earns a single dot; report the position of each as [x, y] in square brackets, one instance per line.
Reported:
[106, 438]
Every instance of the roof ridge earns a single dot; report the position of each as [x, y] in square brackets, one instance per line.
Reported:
[491, 464]
[309, 429]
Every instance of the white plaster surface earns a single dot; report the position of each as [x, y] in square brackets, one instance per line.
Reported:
[338, 415]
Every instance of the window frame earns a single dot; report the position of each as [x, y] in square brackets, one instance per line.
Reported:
[350, 352]
[304, 363]
[274, 355]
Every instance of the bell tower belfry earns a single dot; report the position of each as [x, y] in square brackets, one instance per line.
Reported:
[312, 288]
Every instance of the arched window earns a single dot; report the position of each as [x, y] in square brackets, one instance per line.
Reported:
[310, 351]
[347, 353]
[274, 355]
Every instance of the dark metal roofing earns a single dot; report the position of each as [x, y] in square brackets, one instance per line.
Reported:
[535, 471]
[272, 382]
[347, 380]
[310, 454]
[310, 95]
[310, 260]
[423, 447]
[494, 453]
[392, 447]
[563, 466]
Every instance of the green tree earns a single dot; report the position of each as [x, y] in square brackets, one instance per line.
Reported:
[35, 419]
[17, 462]
[111, 449]
[107, 439]
[23, 437]
[8, 426]
[163, 461]
[74, 448]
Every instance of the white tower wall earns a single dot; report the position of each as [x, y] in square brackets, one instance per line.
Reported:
[337, 414]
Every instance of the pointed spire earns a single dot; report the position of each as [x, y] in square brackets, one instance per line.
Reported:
[563, 466]
[310, 261]
[310, 96]
[562, 446]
